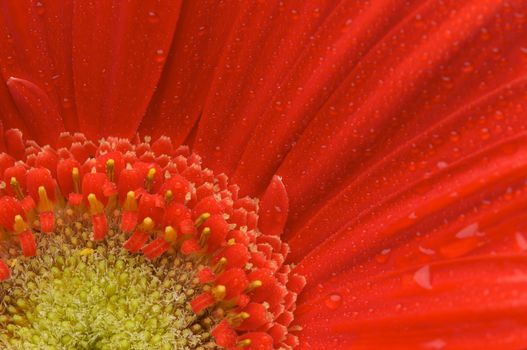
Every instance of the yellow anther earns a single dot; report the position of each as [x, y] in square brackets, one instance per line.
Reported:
[110, 166]
[201, 219]
[16, 188]
[86, 251]
[130, 202]
[231, 241]
[96, 207]
[170, 234]
[236, 319]
[244, 343]
[253, 285]
[169, 196]
[44, 203]
[219, 292]
[20, 225]
[220, 265]
[204, 236]
[147, 225]
[149, 178]
[75, 175]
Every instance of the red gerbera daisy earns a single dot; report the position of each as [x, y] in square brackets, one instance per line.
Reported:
[263, 174]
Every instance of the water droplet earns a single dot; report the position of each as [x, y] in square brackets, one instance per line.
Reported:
[383, 256]
[468, 231]
[441, 165]
[422, 277]
[426, 251]
[201, 31]
[485, 134]
[39, 7]
[521, 241]
[66, 102]
[333, 301]
[467, 67]
[160, 55]
[435, 344]
[454, 136]
[498, 115]
[153, 17]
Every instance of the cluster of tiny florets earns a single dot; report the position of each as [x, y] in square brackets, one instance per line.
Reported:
[138, 223]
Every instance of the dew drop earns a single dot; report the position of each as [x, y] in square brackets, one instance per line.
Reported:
[66, 103]
[422, 277]
[201, 31]
[383, 256]
[441, 164]
[160, 55]
[39, 7]
[521, 241]
[454, 136]
[153, 17]
[426, 251]
[468, 231]
[467, 67]
[333, 301]
[435, 344]
[485, 134]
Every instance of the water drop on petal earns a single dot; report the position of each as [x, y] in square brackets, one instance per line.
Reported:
[422, 277]
[383, 256]
[153, 17]
[39, 7]
[333, 301]
[468, 231]
[435, 344]
[521, 241]
[160, 55]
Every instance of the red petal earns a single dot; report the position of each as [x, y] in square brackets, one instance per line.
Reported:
[259, 341]
[100, 226]
[94, 183]
[155, 248]
[127, 35]
[128, 220]
[234, 280]
[274, 208]
[28, 244]
[65, 177]
[258, 317]
[5, 273]
[37, 177]
[47, 221]
[9, 208]
[224, 335]
[198, 42]
[36, 109]
[136, 241]
[201, 302]
[373, 311]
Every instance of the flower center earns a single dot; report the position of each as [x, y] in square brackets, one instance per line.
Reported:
[137, 246]
[81, 295]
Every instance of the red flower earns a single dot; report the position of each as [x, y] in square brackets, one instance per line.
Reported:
[398, 129]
